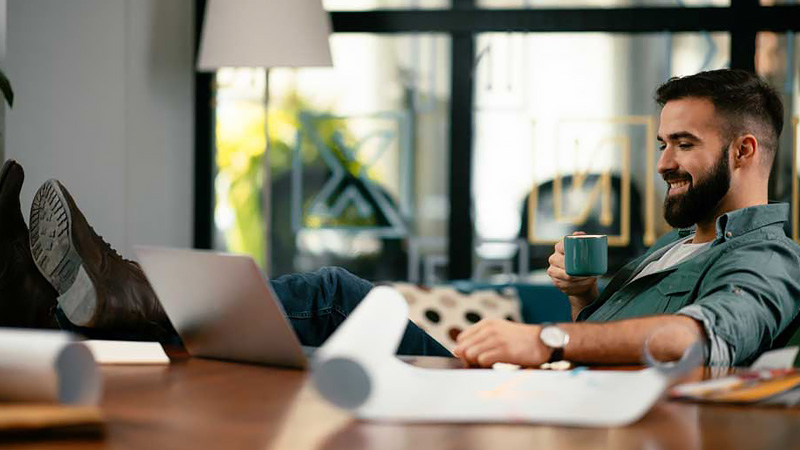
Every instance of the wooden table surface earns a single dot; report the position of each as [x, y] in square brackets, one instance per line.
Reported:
[204, 404]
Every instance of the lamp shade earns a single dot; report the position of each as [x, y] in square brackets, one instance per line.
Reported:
[264, 33]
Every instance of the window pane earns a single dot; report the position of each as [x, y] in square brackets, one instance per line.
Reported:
[239, 179]
[598, 3]
[565, 136]
[366, 5]
[358, 157]
[777, 56]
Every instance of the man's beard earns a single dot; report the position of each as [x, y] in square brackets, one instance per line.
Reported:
[699, 202]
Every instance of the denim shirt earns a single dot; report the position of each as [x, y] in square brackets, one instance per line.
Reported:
[744, 288]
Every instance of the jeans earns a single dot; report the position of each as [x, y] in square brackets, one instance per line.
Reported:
[315, 303]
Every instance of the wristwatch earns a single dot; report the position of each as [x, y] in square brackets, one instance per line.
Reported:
[555, 338]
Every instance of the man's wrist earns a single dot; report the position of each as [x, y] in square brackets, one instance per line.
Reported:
[546, 352]
[581, 300]
[555, 340]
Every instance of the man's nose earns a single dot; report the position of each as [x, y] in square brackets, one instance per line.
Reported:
[666, 162]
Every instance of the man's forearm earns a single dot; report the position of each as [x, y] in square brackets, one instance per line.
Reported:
[622, 342]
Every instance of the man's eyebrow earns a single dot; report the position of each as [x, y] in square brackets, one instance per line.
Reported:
[680, 135]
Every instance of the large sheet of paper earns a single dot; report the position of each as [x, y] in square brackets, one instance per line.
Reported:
[47, 366]
[356, 370]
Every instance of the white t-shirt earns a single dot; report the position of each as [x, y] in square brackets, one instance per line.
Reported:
[674, 256]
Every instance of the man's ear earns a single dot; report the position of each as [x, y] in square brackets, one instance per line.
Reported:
[745, 150]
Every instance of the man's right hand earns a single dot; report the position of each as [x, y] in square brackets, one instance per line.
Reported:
[581, 290]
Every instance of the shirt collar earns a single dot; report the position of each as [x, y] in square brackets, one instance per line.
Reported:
[741, 221]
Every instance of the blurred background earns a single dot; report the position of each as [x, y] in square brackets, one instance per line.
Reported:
[450, 140]
[562, 137]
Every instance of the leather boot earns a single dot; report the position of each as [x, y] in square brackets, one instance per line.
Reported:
[26, 299]
[97, 288]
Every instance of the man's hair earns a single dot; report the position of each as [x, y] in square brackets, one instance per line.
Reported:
[744, 101]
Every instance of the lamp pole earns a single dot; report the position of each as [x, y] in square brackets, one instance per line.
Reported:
[267, 188]
[262, 33]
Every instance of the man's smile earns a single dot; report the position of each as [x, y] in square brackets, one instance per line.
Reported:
[678, 186]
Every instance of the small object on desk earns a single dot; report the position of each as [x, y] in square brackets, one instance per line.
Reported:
[556, 365]
[782, 358]
[766, 387]
[505, 366]
[770, 380]
[127, 352]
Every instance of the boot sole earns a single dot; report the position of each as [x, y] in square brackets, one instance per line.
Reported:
[56, 256]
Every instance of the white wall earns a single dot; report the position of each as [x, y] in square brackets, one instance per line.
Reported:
[2, 64]
[104, 103]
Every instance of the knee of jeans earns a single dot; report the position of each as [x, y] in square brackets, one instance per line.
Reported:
[350, 287]
[334, 272]
[339, 276]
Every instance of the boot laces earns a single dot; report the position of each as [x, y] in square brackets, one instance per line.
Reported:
[106, 246]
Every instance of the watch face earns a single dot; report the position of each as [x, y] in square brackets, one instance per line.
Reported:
[554, 337]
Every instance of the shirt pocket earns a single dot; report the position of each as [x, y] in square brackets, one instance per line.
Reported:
[676, 290]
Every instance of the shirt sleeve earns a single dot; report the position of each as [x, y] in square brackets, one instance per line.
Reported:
[746, 299]
[717, 351]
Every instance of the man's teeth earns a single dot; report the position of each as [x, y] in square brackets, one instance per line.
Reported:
[678, 184]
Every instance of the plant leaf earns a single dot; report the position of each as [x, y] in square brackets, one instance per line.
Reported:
[5, 87]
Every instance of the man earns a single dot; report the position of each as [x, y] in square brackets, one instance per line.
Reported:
[728, 276]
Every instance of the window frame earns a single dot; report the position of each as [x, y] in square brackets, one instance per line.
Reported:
[743, 19]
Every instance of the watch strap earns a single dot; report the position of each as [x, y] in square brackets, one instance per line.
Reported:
[557, 355]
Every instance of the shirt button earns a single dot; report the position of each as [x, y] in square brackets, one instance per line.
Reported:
[728, 234]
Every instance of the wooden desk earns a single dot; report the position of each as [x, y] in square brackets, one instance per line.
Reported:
[200, 404]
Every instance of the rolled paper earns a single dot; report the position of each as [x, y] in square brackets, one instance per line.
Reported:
[344, 368]
[356, 370]
[47, 366]
[691, 358]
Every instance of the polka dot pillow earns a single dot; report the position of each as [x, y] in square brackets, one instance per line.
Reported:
[443, 312]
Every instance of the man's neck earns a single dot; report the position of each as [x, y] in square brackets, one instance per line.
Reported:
[707, 231]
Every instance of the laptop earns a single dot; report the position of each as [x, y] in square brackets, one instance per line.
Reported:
[222, 306]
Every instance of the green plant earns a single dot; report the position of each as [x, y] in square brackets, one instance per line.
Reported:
[240, 144]
[5, 87]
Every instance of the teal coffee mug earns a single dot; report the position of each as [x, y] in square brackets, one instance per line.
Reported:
[586, 255]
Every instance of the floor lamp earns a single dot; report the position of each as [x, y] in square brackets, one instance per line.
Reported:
[264, 34]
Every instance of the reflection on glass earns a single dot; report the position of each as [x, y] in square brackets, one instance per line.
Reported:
[598, 3]
[778, 62]
[358, 156]
[366, 5]
[571, 117]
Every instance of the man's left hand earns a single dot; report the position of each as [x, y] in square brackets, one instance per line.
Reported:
[495, 340]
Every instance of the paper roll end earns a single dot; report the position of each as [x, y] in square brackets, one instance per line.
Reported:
[79, 380]
[343, 382]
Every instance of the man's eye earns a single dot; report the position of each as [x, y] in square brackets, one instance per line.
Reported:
[662, 147]
[685, 145]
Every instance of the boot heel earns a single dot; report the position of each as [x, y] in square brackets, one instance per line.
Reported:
[79, 302]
